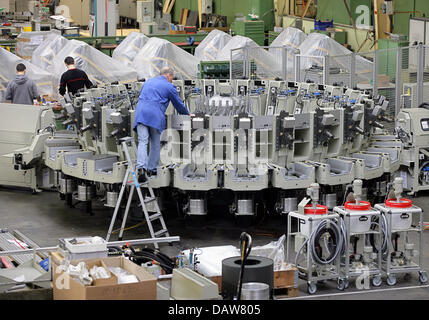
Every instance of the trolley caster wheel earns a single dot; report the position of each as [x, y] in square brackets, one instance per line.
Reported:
[391, 280]
[346, 283]
[423, 277]
[341, 284]
[311, 288]
[376, 281]
[407, 276]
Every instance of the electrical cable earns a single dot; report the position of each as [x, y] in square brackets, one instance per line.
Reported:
[335, 233]
[246, 247]
[149, 254]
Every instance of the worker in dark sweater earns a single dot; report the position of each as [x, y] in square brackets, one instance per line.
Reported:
[21, 90]
[73, 79]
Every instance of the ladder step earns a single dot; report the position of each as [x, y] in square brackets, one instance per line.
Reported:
[154, 216]
[149, 200]
[160, 232]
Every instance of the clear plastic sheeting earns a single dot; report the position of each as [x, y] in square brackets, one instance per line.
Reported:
[260, 63]
[210, 259]
[27, 42]
[210, 47]
[129, 47]
[158, 53]
[318, 44]
[46, 52]
[292, 38]
[274, 250]
[235, 43]
[9, 61]
[100, 68]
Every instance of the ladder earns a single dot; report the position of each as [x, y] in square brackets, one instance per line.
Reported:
[134, 184]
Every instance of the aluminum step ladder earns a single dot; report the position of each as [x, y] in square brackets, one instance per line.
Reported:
[127, 144]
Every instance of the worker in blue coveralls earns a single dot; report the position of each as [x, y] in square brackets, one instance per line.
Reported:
[149, 123]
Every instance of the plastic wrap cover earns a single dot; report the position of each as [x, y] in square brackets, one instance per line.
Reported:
[9, 61]
[46, 52]
[318, 44]
[27, 42]
[210, 47]
[100, 68]
[235, 43]
[158, 53]
[289, 37]
[264, 64]
[129, 47]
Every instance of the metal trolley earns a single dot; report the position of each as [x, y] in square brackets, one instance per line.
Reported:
[360, 219]
[402, 217]
[370, 266]
[315, 224]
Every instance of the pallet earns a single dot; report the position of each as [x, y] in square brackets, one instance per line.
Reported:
[288, 292]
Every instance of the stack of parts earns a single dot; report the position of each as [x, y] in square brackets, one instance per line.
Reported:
[9, 61]
[158, 53]
[129, 47]
[210, 47]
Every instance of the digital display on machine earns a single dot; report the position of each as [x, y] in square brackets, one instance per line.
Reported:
[425, 124]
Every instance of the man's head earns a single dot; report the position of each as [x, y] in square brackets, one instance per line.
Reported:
[20, 68]
[168, 73]
[69, 61]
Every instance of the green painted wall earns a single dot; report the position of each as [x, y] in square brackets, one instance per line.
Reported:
[333, 9]
[401, 20]
[230, 8]
[225, 7]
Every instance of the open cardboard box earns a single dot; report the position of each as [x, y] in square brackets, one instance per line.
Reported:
[66, 288]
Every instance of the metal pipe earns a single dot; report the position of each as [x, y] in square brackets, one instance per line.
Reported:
[109, 244]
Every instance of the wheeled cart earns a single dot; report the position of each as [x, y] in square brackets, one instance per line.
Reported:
[317, 236]
[402, 219]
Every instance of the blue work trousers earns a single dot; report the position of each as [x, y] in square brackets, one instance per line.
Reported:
[146, 134]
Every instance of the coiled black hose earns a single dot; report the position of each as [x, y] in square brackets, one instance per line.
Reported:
[149, 254]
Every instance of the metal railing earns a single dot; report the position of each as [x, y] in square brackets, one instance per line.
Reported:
[400, 74]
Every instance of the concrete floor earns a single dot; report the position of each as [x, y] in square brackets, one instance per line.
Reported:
[45, 218]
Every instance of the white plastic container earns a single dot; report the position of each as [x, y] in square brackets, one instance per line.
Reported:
[360, 215]
[313, 218]
[399, 214]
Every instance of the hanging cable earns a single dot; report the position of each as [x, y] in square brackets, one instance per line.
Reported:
[246, 247]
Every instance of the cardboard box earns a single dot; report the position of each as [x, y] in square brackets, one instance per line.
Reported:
[65, 288]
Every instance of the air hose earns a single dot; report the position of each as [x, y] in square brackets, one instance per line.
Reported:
[148, 254]
[246, 247]
[336, 234]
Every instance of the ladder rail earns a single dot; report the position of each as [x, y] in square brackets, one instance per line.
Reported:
[136, 186]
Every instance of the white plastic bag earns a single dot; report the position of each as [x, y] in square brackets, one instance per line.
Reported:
[99, 273]
[274, 250]
[123, 275]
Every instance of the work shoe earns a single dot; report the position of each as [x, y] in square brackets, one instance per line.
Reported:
[142, 175]
[152, 173]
